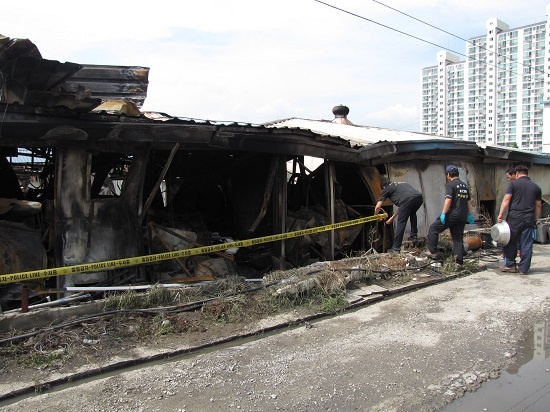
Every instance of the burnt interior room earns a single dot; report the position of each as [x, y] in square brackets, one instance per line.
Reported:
[93, 201]
[221, 195]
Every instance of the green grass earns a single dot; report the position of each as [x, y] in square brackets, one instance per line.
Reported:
[334, 303]
[42, 360]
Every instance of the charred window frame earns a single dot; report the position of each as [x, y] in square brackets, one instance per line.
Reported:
[107, 173]
[27, 173]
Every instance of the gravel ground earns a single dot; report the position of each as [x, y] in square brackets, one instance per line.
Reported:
[413, 352]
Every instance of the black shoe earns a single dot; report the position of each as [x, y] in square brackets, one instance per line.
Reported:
[431, 255]
[508, 269]
[413, 238]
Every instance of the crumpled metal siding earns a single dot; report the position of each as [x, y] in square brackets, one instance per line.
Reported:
[28, 79]
[128, 83]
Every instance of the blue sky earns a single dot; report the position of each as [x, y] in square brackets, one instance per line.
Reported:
[257, 60]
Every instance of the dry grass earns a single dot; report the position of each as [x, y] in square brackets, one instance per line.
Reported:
[158, 296]
[485, 220]
[221, 304]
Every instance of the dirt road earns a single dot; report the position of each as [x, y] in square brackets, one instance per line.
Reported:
[414, 352]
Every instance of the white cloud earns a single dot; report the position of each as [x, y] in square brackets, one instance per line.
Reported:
[256, 61]
[396, 117]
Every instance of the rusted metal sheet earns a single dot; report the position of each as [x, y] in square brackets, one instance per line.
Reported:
[371, 178]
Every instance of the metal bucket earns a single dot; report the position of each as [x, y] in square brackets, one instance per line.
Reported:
[501, 233]
[541, 233]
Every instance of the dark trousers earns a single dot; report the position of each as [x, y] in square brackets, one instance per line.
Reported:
[407, 211]
[521, 235]
[457, 234]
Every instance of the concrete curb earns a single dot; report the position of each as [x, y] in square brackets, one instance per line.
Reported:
[89, 309]
[41, 318]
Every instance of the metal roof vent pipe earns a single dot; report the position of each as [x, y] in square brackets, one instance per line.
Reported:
[340, 115]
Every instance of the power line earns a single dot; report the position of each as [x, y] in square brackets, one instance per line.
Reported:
[387, 27]
[421, 39]
[458, 37]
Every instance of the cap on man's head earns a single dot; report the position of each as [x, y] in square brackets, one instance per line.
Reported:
[451, 169]
[384, 181]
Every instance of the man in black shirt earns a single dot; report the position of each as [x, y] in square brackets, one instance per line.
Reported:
[456, 212]
[408, 200]
[521, 207]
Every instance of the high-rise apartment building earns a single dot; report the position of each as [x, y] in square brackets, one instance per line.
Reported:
[497, 95]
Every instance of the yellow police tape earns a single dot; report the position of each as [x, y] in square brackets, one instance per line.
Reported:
[140, 260]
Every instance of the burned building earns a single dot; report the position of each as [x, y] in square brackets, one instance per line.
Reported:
[88, 177]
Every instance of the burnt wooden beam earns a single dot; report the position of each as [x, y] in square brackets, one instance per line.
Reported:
[153, 193]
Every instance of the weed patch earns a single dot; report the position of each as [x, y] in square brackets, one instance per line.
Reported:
[333, 304]
[43, 360]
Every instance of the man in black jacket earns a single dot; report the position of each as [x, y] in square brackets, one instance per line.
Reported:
[408, 200]
[456, 212]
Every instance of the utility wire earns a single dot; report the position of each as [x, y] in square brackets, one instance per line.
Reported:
[458, 37]
[484, 61]
[387, 27]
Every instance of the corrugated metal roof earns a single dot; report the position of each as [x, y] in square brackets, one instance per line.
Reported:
[370, 138]
[357, 135]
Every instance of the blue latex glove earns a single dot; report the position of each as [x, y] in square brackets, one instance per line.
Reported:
[442, 218]
[470, 219]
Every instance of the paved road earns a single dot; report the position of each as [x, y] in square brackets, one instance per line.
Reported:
[414, 352]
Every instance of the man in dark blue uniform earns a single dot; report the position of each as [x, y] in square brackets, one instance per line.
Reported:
[456, 212]
[408, 200]
[521, 207]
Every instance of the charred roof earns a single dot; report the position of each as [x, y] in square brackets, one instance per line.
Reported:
[26, 78]
[47, 103]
